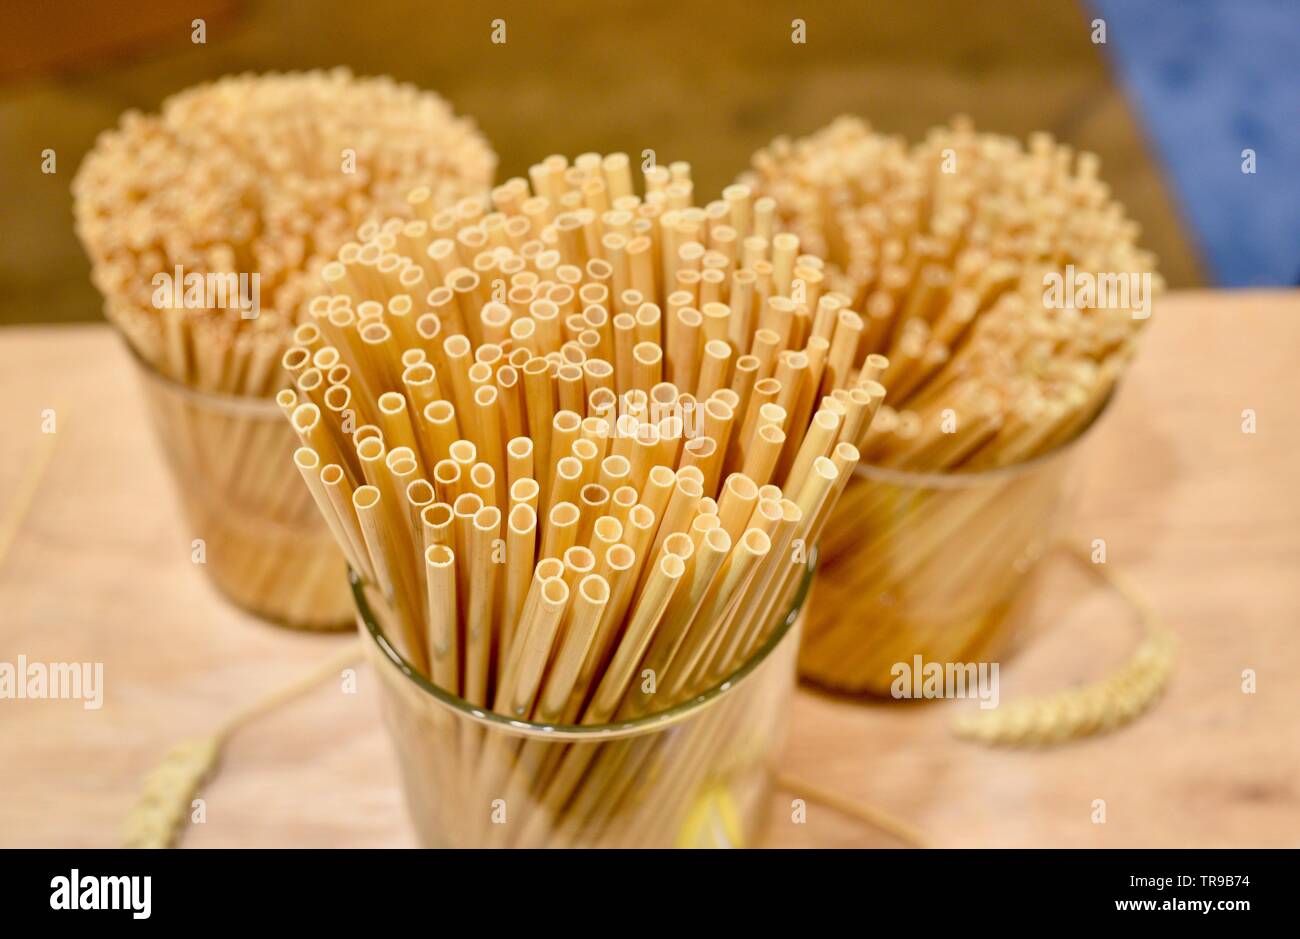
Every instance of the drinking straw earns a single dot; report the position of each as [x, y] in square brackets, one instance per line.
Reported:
[207, 225]
[997, 291]
[627, 520]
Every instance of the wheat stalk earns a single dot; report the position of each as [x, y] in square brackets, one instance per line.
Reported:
[1094, 708]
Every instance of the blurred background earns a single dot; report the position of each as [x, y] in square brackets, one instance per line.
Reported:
[1169, 100]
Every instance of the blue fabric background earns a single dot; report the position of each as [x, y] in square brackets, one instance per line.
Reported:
[1210, 78]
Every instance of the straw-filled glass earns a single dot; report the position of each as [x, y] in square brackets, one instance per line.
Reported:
[695, 774]
[936, 565]
[255, 528]
[585, 443]
[206, 225]
[1002, 293]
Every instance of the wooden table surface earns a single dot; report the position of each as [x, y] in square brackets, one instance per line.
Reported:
[1205, 518]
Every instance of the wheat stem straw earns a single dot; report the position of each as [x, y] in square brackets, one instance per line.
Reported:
[600, 520]
[207, 225]
[951, 252]
[247, 175]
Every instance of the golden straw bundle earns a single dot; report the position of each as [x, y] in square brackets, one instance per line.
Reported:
[1002, 294]
[207, 225]
[255, 174]
[583, 438]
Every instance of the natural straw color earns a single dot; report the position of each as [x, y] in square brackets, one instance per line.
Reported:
[266, 174]
[1096, 707]
[605, 518]
[949, 253]
[943, 250]
[207, 225]
[162, 811]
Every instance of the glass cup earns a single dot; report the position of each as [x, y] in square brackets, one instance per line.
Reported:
[937, 565]
[256, 530]
[696, 774]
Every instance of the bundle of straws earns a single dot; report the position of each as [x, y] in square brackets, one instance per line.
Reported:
[950, 248]
[266, 174]
[207, 225]
[580, 435]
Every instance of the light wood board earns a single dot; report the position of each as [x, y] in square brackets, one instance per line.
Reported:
[1204, 517]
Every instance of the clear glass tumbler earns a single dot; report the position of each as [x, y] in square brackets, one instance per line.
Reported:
[256, 530]
[694, 775]
[936, 565]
